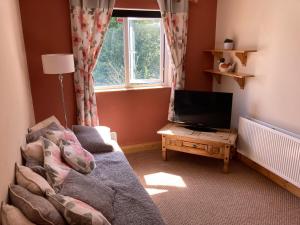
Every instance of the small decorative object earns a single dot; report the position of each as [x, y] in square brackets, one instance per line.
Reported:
[228, 44]
[226, 67]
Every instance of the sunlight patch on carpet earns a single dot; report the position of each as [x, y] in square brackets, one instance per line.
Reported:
[155, 191]
[164, 179]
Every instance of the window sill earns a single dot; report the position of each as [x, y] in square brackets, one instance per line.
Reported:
[99, 90]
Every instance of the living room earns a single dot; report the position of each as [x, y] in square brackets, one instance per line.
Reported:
[246, 174]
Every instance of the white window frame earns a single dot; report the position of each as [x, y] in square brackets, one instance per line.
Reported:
[129, 83]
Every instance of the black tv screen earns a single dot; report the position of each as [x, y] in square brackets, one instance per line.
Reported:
[207, 109]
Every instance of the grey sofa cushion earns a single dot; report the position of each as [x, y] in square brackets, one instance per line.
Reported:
[90, 190]
[36, 208]
[35, 135]
[90, 139]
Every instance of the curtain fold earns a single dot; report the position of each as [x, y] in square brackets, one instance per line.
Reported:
[89, 23]
[175, 19]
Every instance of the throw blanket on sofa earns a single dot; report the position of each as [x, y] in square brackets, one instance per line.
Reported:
[132, 204]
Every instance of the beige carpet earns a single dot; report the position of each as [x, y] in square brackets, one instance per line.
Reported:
[192, 190]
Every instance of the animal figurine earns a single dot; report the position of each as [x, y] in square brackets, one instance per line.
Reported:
[226, 67]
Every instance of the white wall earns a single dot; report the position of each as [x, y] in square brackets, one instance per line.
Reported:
[272, 27]
[16, 111]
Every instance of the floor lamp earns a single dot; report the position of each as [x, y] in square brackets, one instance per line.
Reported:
[59, 64]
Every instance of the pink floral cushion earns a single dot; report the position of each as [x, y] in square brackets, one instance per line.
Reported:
[77, 212]
[56, 135]
[45, 123]
[56, 169]
[77, 157]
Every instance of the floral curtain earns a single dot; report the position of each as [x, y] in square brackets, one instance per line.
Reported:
[175, 19]
[89, 21]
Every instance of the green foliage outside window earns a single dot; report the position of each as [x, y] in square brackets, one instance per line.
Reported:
[110, 69]
[147, 47]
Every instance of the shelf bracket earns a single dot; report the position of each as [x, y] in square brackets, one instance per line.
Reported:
[219, 55]
[240, 81]
[218, 78]
[242, 57]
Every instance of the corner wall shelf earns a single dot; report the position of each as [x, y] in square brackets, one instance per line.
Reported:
[240, 78]
[241, 54]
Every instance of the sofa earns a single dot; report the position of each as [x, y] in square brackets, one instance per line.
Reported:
[78, 176]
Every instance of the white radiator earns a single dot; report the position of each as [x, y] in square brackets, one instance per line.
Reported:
[273, 148]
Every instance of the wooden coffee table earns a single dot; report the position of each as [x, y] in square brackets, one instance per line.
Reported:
[219, 145]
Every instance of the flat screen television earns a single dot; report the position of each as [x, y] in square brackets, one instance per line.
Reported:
[203, 110]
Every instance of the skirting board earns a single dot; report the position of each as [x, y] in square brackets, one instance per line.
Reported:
[141, 147]
[275, 178]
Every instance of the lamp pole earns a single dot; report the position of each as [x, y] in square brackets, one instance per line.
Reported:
[61, 77]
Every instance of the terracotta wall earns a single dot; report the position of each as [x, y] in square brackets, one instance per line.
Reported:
[137, 114]
[46, 28]
[201, 36]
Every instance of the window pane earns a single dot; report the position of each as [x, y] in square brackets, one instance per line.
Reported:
[144, 50]
[109, 70]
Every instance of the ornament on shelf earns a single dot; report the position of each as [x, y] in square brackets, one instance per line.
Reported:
[226, 67]
[228, 44]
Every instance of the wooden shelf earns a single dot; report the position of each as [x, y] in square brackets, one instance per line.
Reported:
[240, 78]
[242, 54]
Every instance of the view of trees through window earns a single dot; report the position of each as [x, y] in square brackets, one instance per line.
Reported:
[110, 68]
[144, 39]
[144, 51]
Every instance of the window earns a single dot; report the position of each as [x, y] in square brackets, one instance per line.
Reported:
[132, 54]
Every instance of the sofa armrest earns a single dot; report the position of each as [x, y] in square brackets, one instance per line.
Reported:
[106, 134]
[114, 136]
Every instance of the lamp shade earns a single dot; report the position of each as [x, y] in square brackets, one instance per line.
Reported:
[58, 63]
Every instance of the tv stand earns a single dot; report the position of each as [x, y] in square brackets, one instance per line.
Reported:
[200, 128]
[219, 144]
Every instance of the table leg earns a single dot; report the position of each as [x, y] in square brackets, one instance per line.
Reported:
[226, 159]
[164, 155]
[164, 149]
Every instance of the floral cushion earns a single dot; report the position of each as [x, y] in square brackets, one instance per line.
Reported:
[35, 135]
[36, 167]
[45, 123]
[56, 135]
[56, 169]
[77, 212]
[77, 157]
[32, 181]
[72, 152]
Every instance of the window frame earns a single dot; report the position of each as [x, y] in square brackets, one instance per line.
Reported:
[162, 81]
